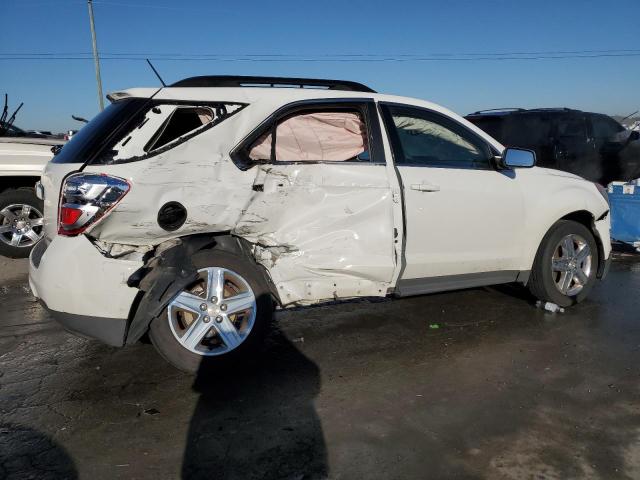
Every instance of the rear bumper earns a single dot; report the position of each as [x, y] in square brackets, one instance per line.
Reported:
[108, 330]
[85, 291]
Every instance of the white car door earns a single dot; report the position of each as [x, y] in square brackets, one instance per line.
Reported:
[464, 219]
[322, 215]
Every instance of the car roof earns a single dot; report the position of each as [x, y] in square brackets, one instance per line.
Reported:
[263, 101]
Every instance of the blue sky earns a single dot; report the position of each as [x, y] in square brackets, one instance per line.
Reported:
[52, 90]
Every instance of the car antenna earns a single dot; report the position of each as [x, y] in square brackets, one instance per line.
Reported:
[156, 72]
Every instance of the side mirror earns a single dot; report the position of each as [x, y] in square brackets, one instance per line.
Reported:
[518, 158]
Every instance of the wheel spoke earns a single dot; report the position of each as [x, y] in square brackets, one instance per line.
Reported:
[37, 222]
[228, 332]
[583, 254]
[565, 282]
[26, 211]
[33, 236]
[196, 332]
[16, 239]
[582, 277]
[5, 228]
[8, 214]
[568, 248]
[240, 302]
[215, 283]
[189, 302]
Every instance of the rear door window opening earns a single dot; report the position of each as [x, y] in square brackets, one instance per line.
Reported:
[157, 127]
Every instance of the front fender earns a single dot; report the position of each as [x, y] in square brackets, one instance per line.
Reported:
[559, 200]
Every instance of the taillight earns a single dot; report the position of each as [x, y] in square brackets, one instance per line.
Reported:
[86, 198]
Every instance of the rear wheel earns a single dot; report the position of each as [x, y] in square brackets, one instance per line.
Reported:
[565, 267]
[221, 317]
[21, 222]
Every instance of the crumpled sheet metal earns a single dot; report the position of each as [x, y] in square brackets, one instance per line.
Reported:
[196, 173]
[323, 231]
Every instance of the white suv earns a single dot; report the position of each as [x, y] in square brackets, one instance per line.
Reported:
[189, 212]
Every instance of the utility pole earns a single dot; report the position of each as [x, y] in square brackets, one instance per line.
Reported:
[96, 59]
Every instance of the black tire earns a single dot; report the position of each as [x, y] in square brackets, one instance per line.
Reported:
[541, 283]
[24, 196]
[168, 346]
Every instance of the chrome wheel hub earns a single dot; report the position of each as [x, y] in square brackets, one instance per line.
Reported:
[571, 264]
[21, 225]
[215, 314]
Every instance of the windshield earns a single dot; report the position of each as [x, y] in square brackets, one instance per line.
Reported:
[85, 144]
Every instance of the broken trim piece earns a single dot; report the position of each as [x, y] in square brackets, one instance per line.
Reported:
[170, 271]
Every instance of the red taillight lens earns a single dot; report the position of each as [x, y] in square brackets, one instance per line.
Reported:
[86, 198]
[69, 216]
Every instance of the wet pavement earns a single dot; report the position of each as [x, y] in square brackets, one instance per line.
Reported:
[471, 384]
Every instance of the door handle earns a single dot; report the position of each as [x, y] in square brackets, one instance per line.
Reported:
[425, 187]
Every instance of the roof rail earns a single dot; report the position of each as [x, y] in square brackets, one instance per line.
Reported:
[508, 109]
[248, 81]
[552, 109]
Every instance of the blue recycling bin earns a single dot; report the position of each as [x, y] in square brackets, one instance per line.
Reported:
[625, 212]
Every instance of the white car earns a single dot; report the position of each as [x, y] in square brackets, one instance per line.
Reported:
[190, 211]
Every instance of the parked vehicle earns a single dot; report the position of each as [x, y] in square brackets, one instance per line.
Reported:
[190, 211]
[22, 159]
[591, 145]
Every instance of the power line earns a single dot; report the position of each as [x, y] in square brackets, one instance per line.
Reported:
[337, 55]
[325, 59]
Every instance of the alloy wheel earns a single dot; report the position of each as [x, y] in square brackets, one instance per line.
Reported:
[571, 264]
[21, 225]
[215, 314]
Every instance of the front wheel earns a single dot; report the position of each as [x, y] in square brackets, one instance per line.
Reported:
[222, 316]
[566, 264]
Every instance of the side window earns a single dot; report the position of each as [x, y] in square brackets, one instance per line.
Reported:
[423, 138]
[605, 129]
[330, 135]
[159, 127]
[182, 121]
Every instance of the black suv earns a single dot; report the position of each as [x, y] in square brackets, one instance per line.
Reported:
[591, 145]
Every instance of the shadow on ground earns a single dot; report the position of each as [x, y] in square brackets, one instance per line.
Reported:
[257, 420]
[28, 454]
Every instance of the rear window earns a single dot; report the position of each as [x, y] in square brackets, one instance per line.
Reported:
[135, 129]
[158, 127]
[84, 145]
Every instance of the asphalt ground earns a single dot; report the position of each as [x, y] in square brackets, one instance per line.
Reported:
[470, 384]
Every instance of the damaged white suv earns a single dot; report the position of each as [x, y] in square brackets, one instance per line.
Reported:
[190, 212]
